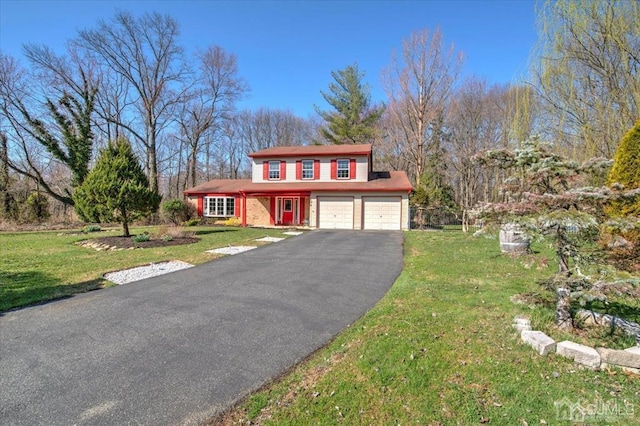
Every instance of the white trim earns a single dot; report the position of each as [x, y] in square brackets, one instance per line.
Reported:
[271, 163]
[227, 204]
[338, 168]
[312, 169]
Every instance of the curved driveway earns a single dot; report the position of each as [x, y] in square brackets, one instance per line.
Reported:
[178, 348]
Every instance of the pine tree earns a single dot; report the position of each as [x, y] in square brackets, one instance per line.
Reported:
[354, 119]
[546, 197]
[116, 190]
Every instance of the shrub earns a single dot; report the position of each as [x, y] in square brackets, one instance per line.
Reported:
[141, 238]
[192, 222]
[626, 171]
[91, 228]
[37, 208]
[176, 211]
[168, 233]
[232, 221]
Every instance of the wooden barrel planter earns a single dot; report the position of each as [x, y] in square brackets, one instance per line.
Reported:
[513, 240]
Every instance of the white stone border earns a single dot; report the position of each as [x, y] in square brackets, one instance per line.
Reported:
[628, 359]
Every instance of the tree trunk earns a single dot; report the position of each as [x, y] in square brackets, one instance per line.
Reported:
[125, 224]
[4, 177]
[563, 309]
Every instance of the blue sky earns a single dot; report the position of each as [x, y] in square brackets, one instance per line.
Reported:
[287, 49]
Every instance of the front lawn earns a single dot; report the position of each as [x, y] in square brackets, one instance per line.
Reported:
[439, 350]
[41, 266]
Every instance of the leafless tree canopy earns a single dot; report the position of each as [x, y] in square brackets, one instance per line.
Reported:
[130, 76]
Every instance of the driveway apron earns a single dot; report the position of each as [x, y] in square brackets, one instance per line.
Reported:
[179, 348]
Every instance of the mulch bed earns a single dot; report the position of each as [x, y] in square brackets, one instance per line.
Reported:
[127, 242]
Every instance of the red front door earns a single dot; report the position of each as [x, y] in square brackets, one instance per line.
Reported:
[287, 211]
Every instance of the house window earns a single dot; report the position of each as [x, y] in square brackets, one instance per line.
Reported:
[219, 206]
[307, 169]
[274, 170]
[343, 169]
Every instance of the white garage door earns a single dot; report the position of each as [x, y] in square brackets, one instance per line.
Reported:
[382, 212]
[335, 212]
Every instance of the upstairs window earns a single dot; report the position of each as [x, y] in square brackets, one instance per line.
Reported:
[307, 169]
[343, 169]
[274, 170]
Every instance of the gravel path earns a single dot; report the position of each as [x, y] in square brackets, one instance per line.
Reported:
[141, 272]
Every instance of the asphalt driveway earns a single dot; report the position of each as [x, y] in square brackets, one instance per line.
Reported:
[178, 348]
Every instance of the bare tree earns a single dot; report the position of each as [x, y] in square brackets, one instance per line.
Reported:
[587, 70]
[211, 103]
[265, 128]
[418, 84]
[51, 125]
[145, 52]
[476, 123]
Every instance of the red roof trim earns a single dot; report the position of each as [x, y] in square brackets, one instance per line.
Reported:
[396, 182]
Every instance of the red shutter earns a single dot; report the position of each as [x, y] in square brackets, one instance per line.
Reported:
[316, 169]
[200, 206]
[265, 170]
[237, 205]
[298, 170]
[334, 169]
[352, 168]
[283, 170]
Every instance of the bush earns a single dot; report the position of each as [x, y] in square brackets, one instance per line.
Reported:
[37, 208]
[168, 233]
[192, 222]
[176, 211]
[91, 228]
[626, 171]
[141, 238]
[232, 221]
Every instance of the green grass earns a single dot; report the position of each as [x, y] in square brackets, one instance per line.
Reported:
[439, 349]
[41, 266]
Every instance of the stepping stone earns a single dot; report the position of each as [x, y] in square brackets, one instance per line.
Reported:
[292, 233]
[231, 250]
[270, 239]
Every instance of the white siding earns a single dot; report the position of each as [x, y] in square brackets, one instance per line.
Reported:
[362, 169]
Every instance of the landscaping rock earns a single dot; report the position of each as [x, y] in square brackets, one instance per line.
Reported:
[581, 354]
[522, 320]
[539, 341]
[595, 318]
[521, 327]
[628, 360]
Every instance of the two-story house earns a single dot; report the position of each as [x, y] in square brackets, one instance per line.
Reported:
[330, 187]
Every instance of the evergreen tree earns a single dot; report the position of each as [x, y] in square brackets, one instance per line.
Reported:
[546, 197]
[354, 119]
[116, 190]
[626, 171]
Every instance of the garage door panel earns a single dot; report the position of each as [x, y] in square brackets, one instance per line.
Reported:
[382, 213]
[335, 212]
